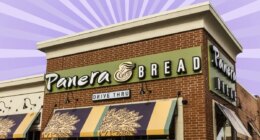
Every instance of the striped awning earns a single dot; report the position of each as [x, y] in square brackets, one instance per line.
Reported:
[135, 119]
[16, 126]
[235, 121]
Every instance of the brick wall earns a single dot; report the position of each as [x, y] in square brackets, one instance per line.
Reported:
[198, 115]
[249, 109]
[192, 87]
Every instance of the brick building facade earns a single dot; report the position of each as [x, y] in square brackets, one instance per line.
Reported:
[161, 89]
[192, 27]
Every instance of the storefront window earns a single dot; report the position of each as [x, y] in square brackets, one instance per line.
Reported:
[225, 132]
[224, 129]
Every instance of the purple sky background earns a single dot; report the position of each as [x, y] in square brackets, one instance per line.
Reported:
[25, 22]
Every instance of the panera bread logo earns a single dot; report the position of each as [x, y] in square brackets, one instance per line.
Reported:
[224, 81]
[125, 72]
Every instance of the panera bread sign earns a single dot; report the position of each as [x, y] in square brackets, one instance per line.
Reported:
[111, 95]
[222, 75]
[150, 67]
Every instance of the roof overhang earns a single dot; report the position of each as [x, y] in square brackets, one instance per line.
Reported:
[22, 81]
[21, 86]
[199, 16]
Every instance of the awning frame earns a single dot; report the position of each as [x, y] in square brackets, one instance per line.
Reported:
[234, 120]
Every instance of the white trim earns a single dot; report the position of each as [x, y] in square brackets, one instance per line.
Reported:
[16, 103]
[21, 81]
[221, 21]
[22, 86]
[126, 25]
[179, 128]
[214, 120]
[165, 23]
[14, 93]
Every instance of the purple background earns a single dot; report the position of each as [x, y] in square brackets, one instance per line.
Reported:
[25, 22]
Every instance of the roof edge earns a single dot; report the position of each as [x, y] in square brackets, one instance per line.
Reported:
[91, 33]
[221, 21]
[22, 81]
[253, 96]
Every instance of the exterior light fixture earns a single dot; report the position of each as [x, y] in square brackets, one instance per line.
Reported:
[143, 91]
[6, 107]
[66, 100]
[184, 102]
[25, 106]
[178, 94]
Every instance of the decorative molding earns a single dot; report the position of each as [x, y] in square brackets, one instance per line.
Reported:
[22, 81]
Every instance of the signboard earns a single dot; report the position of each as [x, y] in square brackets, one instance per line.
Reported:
[144, 68]
[111, 95]
[222, 76]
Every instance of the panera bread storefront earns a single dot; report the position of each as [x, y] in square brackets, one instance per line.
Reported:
[168, 76]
